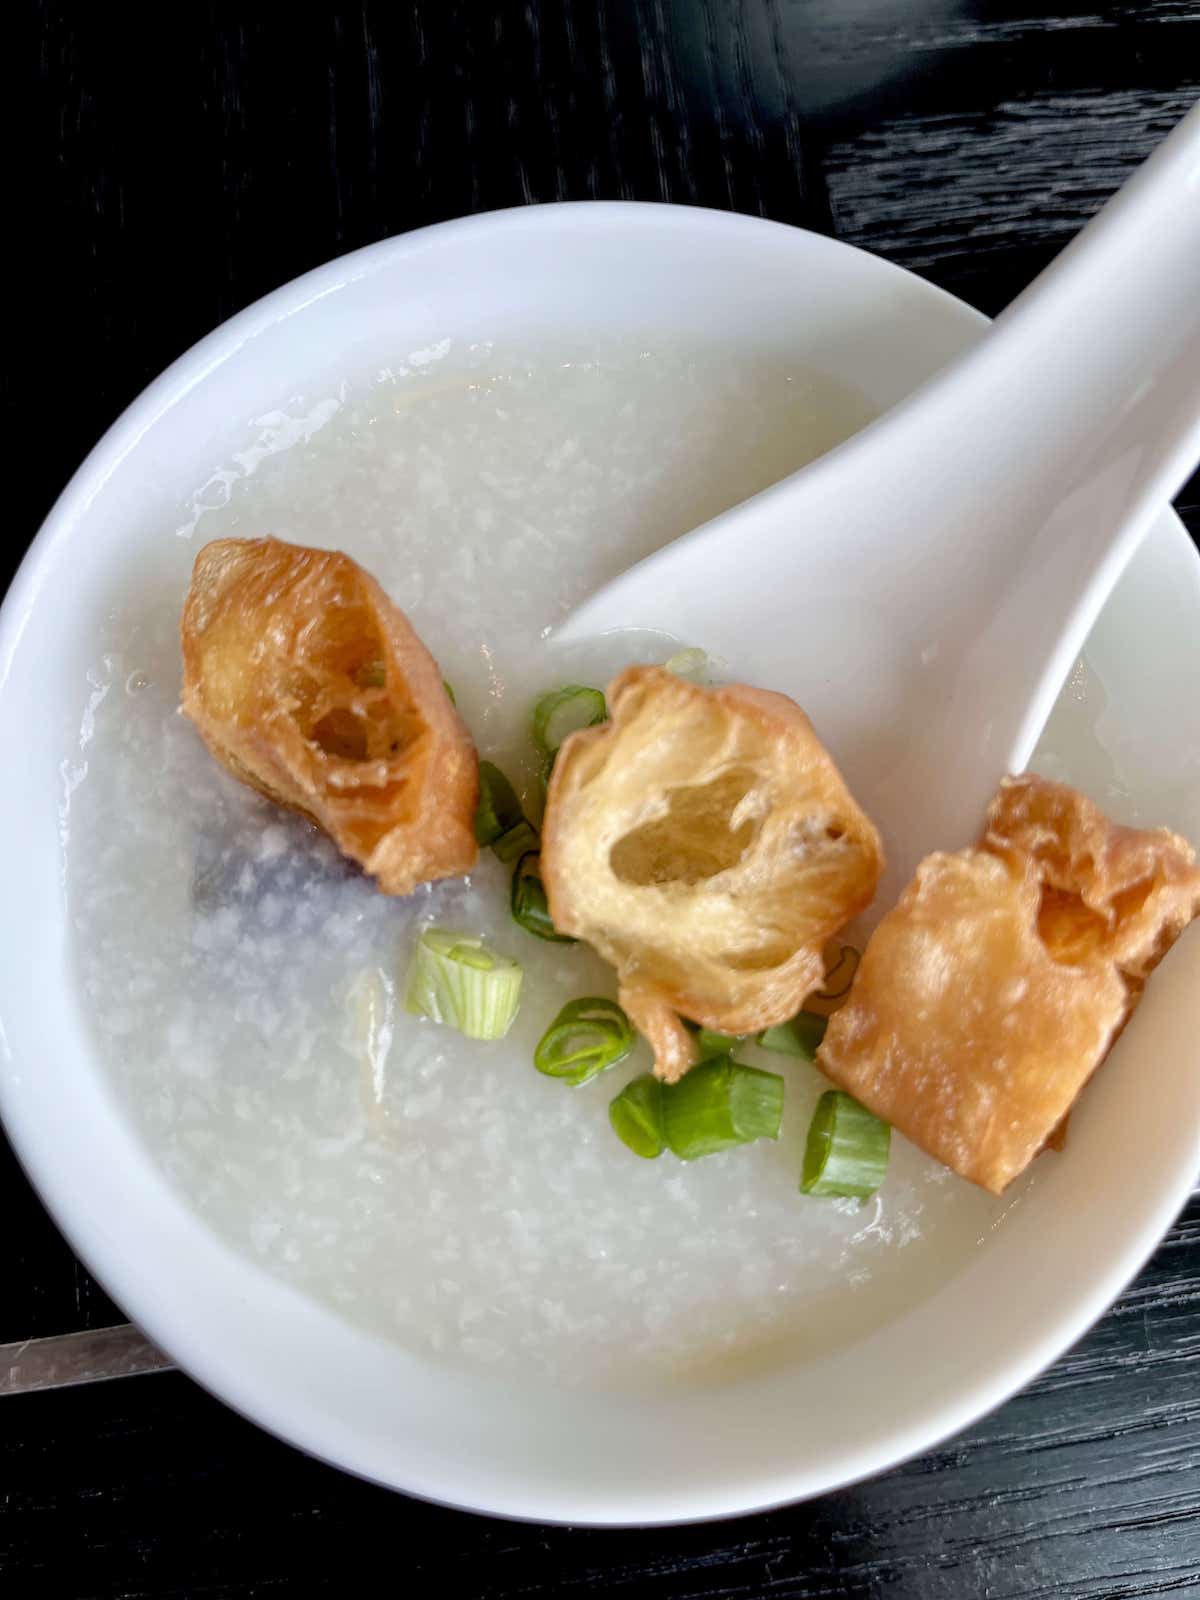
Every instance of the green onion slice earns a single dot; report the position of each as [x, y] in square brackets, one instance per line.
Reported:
[528, 900]
[449, 688]
[370, 1007]
[720, 1104]
[717, 1044]
[586, 1038]
[637, 1116]
[799, 1037]
[691, 664]
[499, 810]
[456, 980]
[371, 675]
[564, 711]
[517, 842]
[847, 1149]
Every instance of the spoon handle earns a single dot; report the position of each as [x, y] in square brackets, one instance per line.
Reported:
[1067, 429]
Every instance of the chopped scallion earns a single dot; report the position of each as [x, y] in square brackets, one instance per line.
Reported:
[691, 664]
[564, 711]
[455, 979]
[717, 1044]
[449, 688]
[586, 1038]
[528, 900]
[847, 1149]
[720, 1104]
[517, 842]
[757, 1102]
[371, 675]
[799, 1037]
[370, 1008]
[637, 1116]
[499, 810]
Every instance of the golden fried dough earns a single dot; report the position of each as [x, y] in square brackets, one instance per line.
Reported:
[311, 686]
[703, 841]
[990, 994]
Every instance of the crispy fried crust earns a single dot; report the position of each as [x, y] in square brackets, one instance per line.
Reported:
[312, 687]
[704, 842]
[990, 994]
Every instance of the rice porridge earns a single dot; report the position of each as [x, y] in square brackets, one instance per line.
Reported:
[241, 978]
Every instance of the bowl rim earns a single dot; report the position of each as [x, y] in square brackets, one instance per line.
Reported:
[187, 372]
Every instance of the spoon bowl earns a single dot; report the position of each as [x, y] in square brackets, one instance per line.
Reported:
[923, 589]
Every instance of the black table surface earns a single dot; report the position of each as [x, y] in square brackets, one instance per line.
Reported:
[178, 162]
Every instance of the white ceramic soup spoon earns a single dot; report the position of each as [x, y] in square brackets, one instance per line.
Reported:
[923, 589]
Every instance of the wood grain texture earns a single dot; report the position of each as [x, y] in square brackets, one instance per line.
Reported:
[179, 166]
[1072, 152]
[1085, 1485]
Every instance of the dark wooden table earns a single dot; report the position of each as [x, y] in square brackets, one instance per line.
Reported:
[184, 163]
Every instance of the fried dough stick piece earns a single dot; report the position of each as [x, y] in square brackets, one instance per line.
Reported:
[998, 984]
[309, 685]
[703, 841]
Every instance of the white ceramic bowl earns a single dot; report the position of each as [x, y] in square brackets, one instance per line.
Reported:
[1062, 1254]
